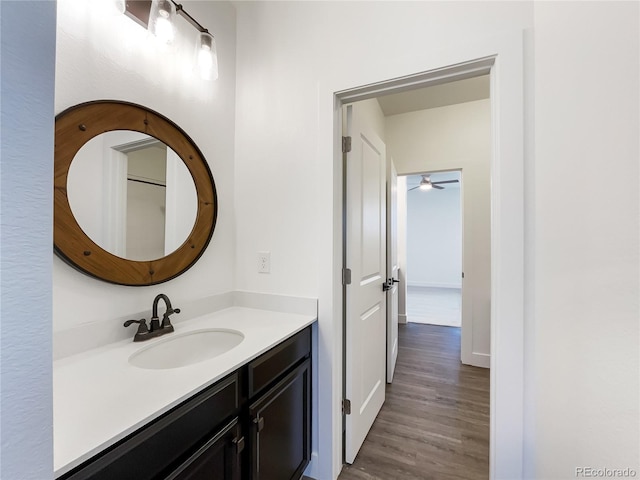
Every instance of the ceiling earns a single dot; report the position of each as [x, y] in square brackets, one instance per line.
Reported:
[452, 93]
[462, 91]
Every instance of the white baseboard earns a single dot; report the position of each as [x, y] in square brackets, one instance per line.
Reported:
[402, 318]
[434, 285]
[482, 360]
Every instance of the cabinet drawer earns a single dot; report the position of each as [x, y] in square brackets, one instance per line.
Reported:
[267, 368]
[152, 452]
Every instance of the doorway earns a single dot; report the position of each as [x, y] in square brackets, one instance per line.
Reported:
[506, 181]
[450, 133]
[434, 249]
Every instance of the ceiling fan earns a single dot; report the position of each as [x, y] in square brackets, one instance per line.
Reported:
[427, 184]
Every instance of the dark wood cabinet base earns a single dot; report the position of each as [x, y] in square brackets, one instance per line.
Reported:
[255, 424]
[280, 432]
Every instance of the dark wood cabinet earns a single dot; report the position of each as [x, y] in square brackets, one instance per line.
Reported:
[281, 427]
[255, 424]
[218, 459]
[157, 449]
[272, 365]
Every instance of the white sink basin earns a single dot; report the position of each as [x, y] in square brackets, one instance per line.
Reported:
[186, 349]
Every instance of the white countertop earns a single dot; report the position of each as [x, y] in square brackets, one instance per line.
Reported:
[99, 398]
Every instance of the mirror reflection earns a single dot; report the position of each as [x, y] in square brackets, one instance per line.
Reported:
[132, 195]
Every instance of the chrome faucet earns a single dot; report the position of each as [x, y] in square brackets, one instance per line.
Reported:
[155, 328]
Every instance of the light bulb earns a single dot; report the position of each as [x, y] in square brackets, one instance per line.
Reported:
[161, 17]
[164, 30]
[206, 58]
[425, 186]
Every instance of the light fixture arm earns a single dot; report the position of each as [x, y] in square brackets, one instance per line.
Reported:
[158, 17]
[182, 12]
[139, 10]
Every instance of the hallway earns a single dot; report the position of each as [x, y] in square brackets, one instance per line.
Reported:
[435, 420]
[435, 306]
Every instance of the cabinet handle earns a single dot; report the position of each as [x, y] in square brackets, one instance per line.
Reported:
[239, 443]
[259, 421]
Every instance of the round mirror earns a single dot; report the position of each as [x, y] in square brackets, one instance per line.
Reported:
[132, 195]
[135, 201]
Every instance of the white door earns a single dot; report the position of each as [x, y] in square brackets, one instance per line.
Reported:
[365, 335]
[392, 269]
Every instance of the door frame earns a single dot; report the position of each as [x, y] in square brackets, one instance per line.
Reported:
[392, 258]
[502, 58]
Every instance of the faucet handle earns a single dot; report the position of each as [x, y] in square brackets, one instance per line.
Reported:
[166, 323]
[142, 325]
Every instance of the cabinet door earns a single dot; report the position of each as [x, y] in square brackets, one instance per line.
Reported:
[218, 459]
[280, 430]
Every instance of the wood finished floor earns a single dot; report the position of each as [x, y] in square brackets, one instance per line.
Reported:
[436, 306]
[435, 420]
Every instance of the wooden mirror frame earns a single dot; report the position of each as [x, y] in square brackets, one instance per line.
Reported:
[75, 127]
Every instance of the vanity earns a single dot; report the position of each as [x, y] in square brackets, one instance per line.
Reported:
[244, 414]
[226, 393]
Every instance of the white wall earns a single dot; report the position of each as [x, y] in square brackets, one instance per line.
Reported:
[27, 31]
[145, 221]
[92, 63]
[585, 264]
[579, 121]
[85, 189]
[448, 138]
[182, 203]
[434, 238]
[292, 57]
[146, 204]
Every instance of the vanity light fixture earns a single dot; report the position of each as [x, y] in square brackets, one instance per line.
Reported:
[161, 19]
[158, 16]
[206, 60]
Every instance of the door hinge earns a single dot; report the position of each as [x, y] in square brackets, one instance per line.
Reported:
[346, 406]
[462, 274]
[346, 144]
[346, 276]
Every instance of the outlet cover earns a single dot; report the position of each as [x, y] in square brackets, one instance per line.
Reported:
[264, 262]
